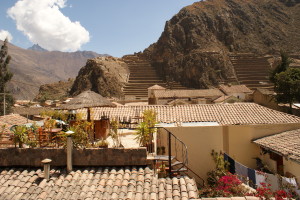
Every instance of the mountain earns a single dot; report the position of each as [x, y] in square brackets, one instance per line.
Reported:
[37, 47]
[54, 91]
[195, 45]
[33, 68]
[104, 75]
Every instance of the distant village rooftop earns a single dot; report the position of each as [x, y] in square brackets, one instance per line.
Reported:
[224, 114]
[230, 89]
[12, 119]
[188, 93]
[286, 144]
[156, 87]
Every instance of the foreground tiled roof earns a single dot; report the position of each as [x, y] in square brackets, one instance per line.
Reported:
[188, 93]
[93, 183]
[12, 119]
[224, 114]
[286, 144]
[234, 89]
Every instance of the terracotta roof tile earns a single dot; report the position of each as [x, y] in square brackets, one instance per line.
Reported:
[203, 93]
[12, 119]
[224, 114]
[156, 87]
[235, 89]
[91, 183]
[286, 144]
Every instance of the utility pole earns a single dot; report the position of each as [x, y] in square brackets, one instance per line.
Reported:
[4, 103]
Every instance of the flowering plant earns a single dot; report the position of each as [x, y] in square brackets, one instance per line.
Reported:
[226, 186]
[264, 191]
[230, 185]
[281, 194]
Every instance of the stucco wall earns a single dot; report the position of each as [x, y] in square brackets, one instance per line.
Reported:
[265, 100]
[239, 139]
[234, 139]
[292, 168]
[200, 142]
[83, 157]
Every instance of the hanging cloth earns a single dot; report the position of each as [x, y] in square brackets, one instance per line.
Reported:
[260, 178]
[231, 163]
[241, 171]
[251, 175]
[273, 181]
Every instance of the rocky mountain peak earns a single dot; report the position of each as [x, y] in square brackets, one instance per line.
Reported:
[37, 47]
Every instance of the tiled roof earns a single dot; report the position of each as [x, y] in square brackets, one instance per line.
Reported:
[156, 87]
[265, 91]
[224, 114]
[93, 183]
[29, 110]
[221, 99]
[234, 89]
[286, 144]
[187, 93]
[12, 119]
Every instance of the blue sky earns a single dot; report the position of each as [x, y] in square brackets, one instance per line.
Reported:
[116, 27]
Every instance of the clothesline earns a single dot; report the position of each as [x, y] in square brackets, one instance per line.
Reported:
[255, 178]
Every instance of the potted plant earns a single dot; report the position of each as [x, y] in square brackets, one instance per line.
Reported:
[161, 171]
[146, 129]
[20, 135]
[102, 143]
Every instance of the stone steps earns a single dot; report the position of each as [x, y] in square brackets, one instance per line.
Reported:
[252, 71]
[142, 76]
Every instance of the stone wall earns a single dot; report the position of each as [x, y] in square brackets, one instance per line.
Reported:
[81, 157]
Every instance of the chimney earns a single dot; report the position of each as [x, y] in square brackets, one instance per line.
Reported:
[46, 162]
[69, 151]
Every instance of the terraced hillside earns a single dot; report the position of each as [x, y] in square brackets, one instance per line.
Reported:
[251, 70]
[142, 76]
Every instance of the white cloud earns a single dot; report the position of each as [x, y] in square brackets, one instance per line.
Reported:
[44, 24]
[5, 34]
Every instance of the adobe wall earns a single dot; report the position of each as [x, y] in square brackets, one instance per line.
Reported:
[238, 140]
[292, 168]
[200, 142]
[81, 157]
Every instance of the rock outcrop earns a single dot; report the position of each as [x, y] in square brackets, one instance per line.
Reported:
[104, 75]
[55, 91]
[194, 46]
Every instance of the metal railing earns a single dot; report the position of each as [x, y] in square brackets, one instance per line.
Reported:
[178, 151]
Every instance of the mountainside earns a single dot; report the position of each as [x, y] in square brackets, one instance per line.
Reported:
[104, 75]
[34, 68]
[55, 91]
[195, 45]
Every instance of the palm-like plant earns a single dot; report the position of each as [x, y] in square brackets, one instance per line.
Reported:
[20, 135]
[146, 129]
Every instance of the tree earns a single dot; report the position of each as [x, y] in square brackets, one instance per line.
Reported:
[282, 66]
[287, 86]
[5, 76]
